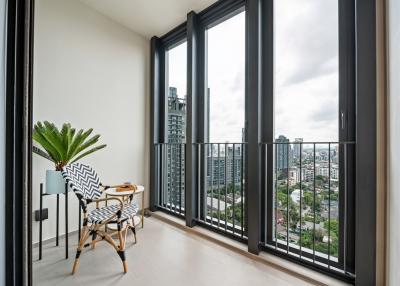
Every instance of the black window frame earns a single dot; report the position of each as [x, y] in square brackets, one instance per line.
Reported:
[357, 95]
[207, 19]
[159, 109]
[346, 133]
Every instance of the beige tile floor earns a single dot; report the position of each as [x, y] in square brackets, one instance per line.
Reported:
[164, 255]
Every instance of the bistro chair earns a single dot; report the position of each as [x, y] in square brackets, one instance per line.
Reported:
[86, 185]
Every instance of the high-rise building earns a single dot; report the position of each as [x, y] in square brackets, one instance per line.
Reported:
[217, 167]
[175, 149]
[297, 148]
[283, 150]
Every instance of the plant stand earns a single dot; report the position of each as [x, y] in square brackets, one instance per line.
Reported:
[57, 219]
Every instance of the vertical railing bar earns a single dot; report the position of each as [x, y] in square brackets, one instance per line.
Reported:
[276, 196]
[166, 176]
[170, 185]
[212, 185]
[165, 170]
[176, 189]
[329, 205]
[287, 199]
[180, 178]
[160, 168]
[233, 187]
[241, 187]
[219, 178]
[314, 203]
[176, 147]
[264, 151]
[204, 189]
[301, 195]
[183, 146]
[184, 175]
[345, 208]
[199, 162]
[158, 149]
[226, 187]
[173, 171]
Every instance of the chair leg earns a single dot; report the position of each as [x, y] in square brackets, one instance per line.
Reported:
[121, 248]
[133, 228]
[84, 237]
[94, 236]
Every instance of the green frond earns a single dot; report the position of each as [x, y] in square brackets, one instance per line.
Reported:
[89, 152]
[65, 144]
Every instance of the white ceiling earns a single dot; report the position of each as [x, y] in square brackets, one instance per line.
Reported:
[148, 17]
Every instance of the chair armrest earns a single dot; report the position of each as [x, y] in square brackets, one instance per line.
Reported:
[106, 187]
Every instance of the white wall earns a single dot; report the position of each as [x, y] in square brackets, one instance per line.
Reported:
[91, 72]
[393, 240]
[2, 139]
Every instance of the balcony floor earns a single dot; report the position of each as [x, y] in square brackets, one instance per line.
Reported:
[164, 255]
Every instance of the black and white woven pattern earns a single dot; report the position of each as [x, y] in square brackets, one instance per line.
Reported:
[83, 180]
[100, 215]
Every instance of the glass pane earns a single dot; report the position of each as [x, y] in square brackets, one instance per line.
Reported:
[306, 69]
[174, 182]
[306, 98]
[176, 80]
[225, 78]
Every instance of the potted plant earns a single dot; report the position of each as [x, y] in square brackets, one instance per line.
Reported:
[62, 147]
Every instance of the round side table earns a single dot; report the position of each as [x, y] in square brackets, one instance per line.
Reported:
[125, 196]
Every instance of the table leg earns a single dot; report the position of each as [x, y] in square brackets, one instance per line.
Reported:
[105, 226]
[40, 222]
[66, 221]
[142, 209]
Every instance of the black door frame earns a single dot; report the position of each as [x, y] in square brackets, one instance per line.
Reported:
[19, 68]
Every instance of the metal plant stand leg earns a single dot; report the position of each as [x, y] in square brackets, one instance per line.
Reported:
[40, 222]
[66, 221]
[42, 194]
[57, 218]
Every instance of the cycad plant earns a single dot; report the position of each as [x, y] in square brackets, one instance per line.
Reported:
[64, 146]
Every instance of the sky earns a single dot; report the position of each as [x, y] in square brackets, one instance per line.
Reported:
[305, 69]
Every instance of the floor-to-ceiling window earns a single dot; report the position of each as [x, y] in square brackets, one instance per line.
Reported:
[308, 169]
[223, 204]
[293, 73]
[173, 195]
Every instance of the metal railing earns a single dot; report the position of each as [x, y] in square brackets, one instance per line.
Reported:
[309, 194]
[221, 198]
[172, 172]
[308, 209]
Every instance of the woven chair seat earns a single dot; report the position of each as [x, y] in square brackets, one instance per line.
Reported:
[100, 215]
